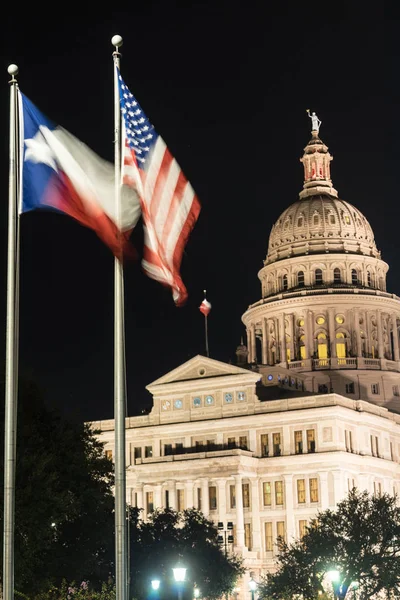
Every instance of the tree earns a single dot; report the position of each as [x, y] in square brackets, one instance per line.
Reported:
[64, 505]
[169, 537]
[360, 540]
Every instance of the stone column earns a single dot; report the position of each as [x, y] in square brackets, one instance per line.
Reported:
[290, 522]
[158, 503]
[282, 335]
[277, 340]
[332, 336]
[357, 332]
[189, 496]
[221, 499]
[368, 333]
[239, 512]
[323, 490]
[248, 339]
[255, 511]
[395, 338]
[264, 358]
[309, 322]
[338, 491]
[139, 496]
[380, 335]
[172, 495]
[205, 499]
[253, 342]
[291, 333]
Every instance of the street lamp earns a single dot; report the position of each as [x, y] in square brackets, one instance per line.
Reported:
[179, 576]
[252, 586]
[334, 576]
[155, 584]
[196, 592]
[354, 586]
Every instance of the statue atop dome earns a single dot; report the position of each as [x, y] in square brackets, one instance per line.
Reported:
[315, 122]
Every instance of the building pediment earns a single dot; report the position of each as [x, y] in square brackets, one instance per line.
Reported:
[203, 368]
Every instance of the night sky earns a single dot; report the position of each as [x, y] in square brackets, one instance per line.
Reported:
[227, 86]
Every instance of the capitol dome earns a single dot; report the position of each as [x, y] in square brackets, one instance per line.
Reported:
[320, 222]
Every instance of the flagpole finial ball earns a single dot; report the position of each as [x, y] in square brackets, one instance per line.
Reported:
[116, 40]
[12, 70]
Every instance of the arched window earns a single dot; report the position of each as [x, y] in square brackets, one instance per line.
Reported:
[300, 278]
[300, 222]
[332, 219]
[369, 278]
[285, 282]
[322, 346]
[318, 277]
[316, 219]
[288, 348]
[302, 347]
[354, 277]
[337, 276]
[340, 345]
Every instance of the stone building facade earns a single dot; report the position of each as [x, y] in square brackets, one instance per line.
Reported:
[312, 408]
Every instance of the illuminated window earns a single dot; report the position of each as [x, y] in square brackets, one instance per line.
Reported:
[246, 495]
[247, 535]
[300, 278]
[267, 493]
[347, 219]
[301, 491]
[310, 440]
[320, 320]
[340, 346]
[276, 441]
[287, 351]
[264, 444]
[268, 536]
[298, 442]
[302, 528]
[279, 493]
[313, 489]
[212, 495]
[318, 277]
[337, 276]
[108, 454]
[300, 322]
[339, 319]
[280, 531]
[180, 497]
[149, 502]
[322, 346]
[232, 495]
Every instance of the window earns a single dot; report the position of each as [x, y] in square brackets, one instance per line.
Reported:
[315, 219]
[350, 388]
[302, 346]
[167, 498]
[322, 346]
[247, 535]
[148, 451]
[377, 488]
[313, 483]
[268, 536]
[298, 442]
[246, 495]
[199, 498]
[375, 388]
[318, 277]
[167, 449]
[285, 282]
[300, 222]
[212, 496]
[311, 440]
[369, 278]
[179, 447]
[301, 491]
[340, 346]
[374, 445]
[180, 497]
[300, 278]
[264, 444]
[337, 276]
[347, 219]
[243, 442]
[108, 454]
[137, 453]
[232, 496]
[332, 219]
[339, 319]
[149, 502]
[279, 493]
[302, 528]
[320, 320]
[354, 277]
[348, 438]
[396, 390]
[267, 493]
[276, 440]
[231, 442]
[280, 531]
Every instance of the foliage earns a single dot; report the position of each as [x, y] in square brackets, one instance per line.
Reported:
[82, 591]
[64, 504]
[169, 537]
[360, 539]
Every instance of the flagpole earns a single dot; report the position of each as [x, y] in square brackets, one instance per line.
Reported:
[11, 383]
[206, 330]
[121, 569]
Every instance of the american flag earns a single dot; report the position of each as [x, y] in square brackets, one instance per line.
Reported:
[170, 207]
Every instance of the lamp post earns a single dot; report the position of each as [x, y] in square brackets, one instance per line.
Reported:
[354, 586]
[196, 592]
[155, 584]
[252, 586]
[179, 576]
[334, 576]
[236, 592]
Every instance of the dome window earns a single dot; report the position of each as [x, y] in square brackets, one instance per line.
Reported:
[300, 222]
[320, 321]
[354, 277]
[316, 219]
[337, 276]
[285, 282]
[318, 277]
[300, 278]
[332, 219]
[347, 219]
[339, 319]
[369, 278]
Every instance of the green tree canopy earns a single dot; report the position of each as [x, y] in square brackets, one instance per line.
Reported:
[64, 506]
[169, 537]
[360, 540]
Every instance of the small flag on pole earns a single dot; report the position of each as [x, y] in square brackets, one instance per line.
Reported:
[170, 207]
[205, 307]
[60, 172]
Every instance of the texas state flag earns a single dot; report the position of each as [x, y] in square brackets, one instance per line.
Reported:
[60, 172]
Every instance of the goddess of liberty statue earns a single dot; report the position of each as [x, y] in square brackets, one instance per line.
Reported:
[315, 122]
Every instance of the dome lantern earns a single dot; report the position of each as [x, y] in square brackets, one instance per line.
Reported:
[316, 162]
